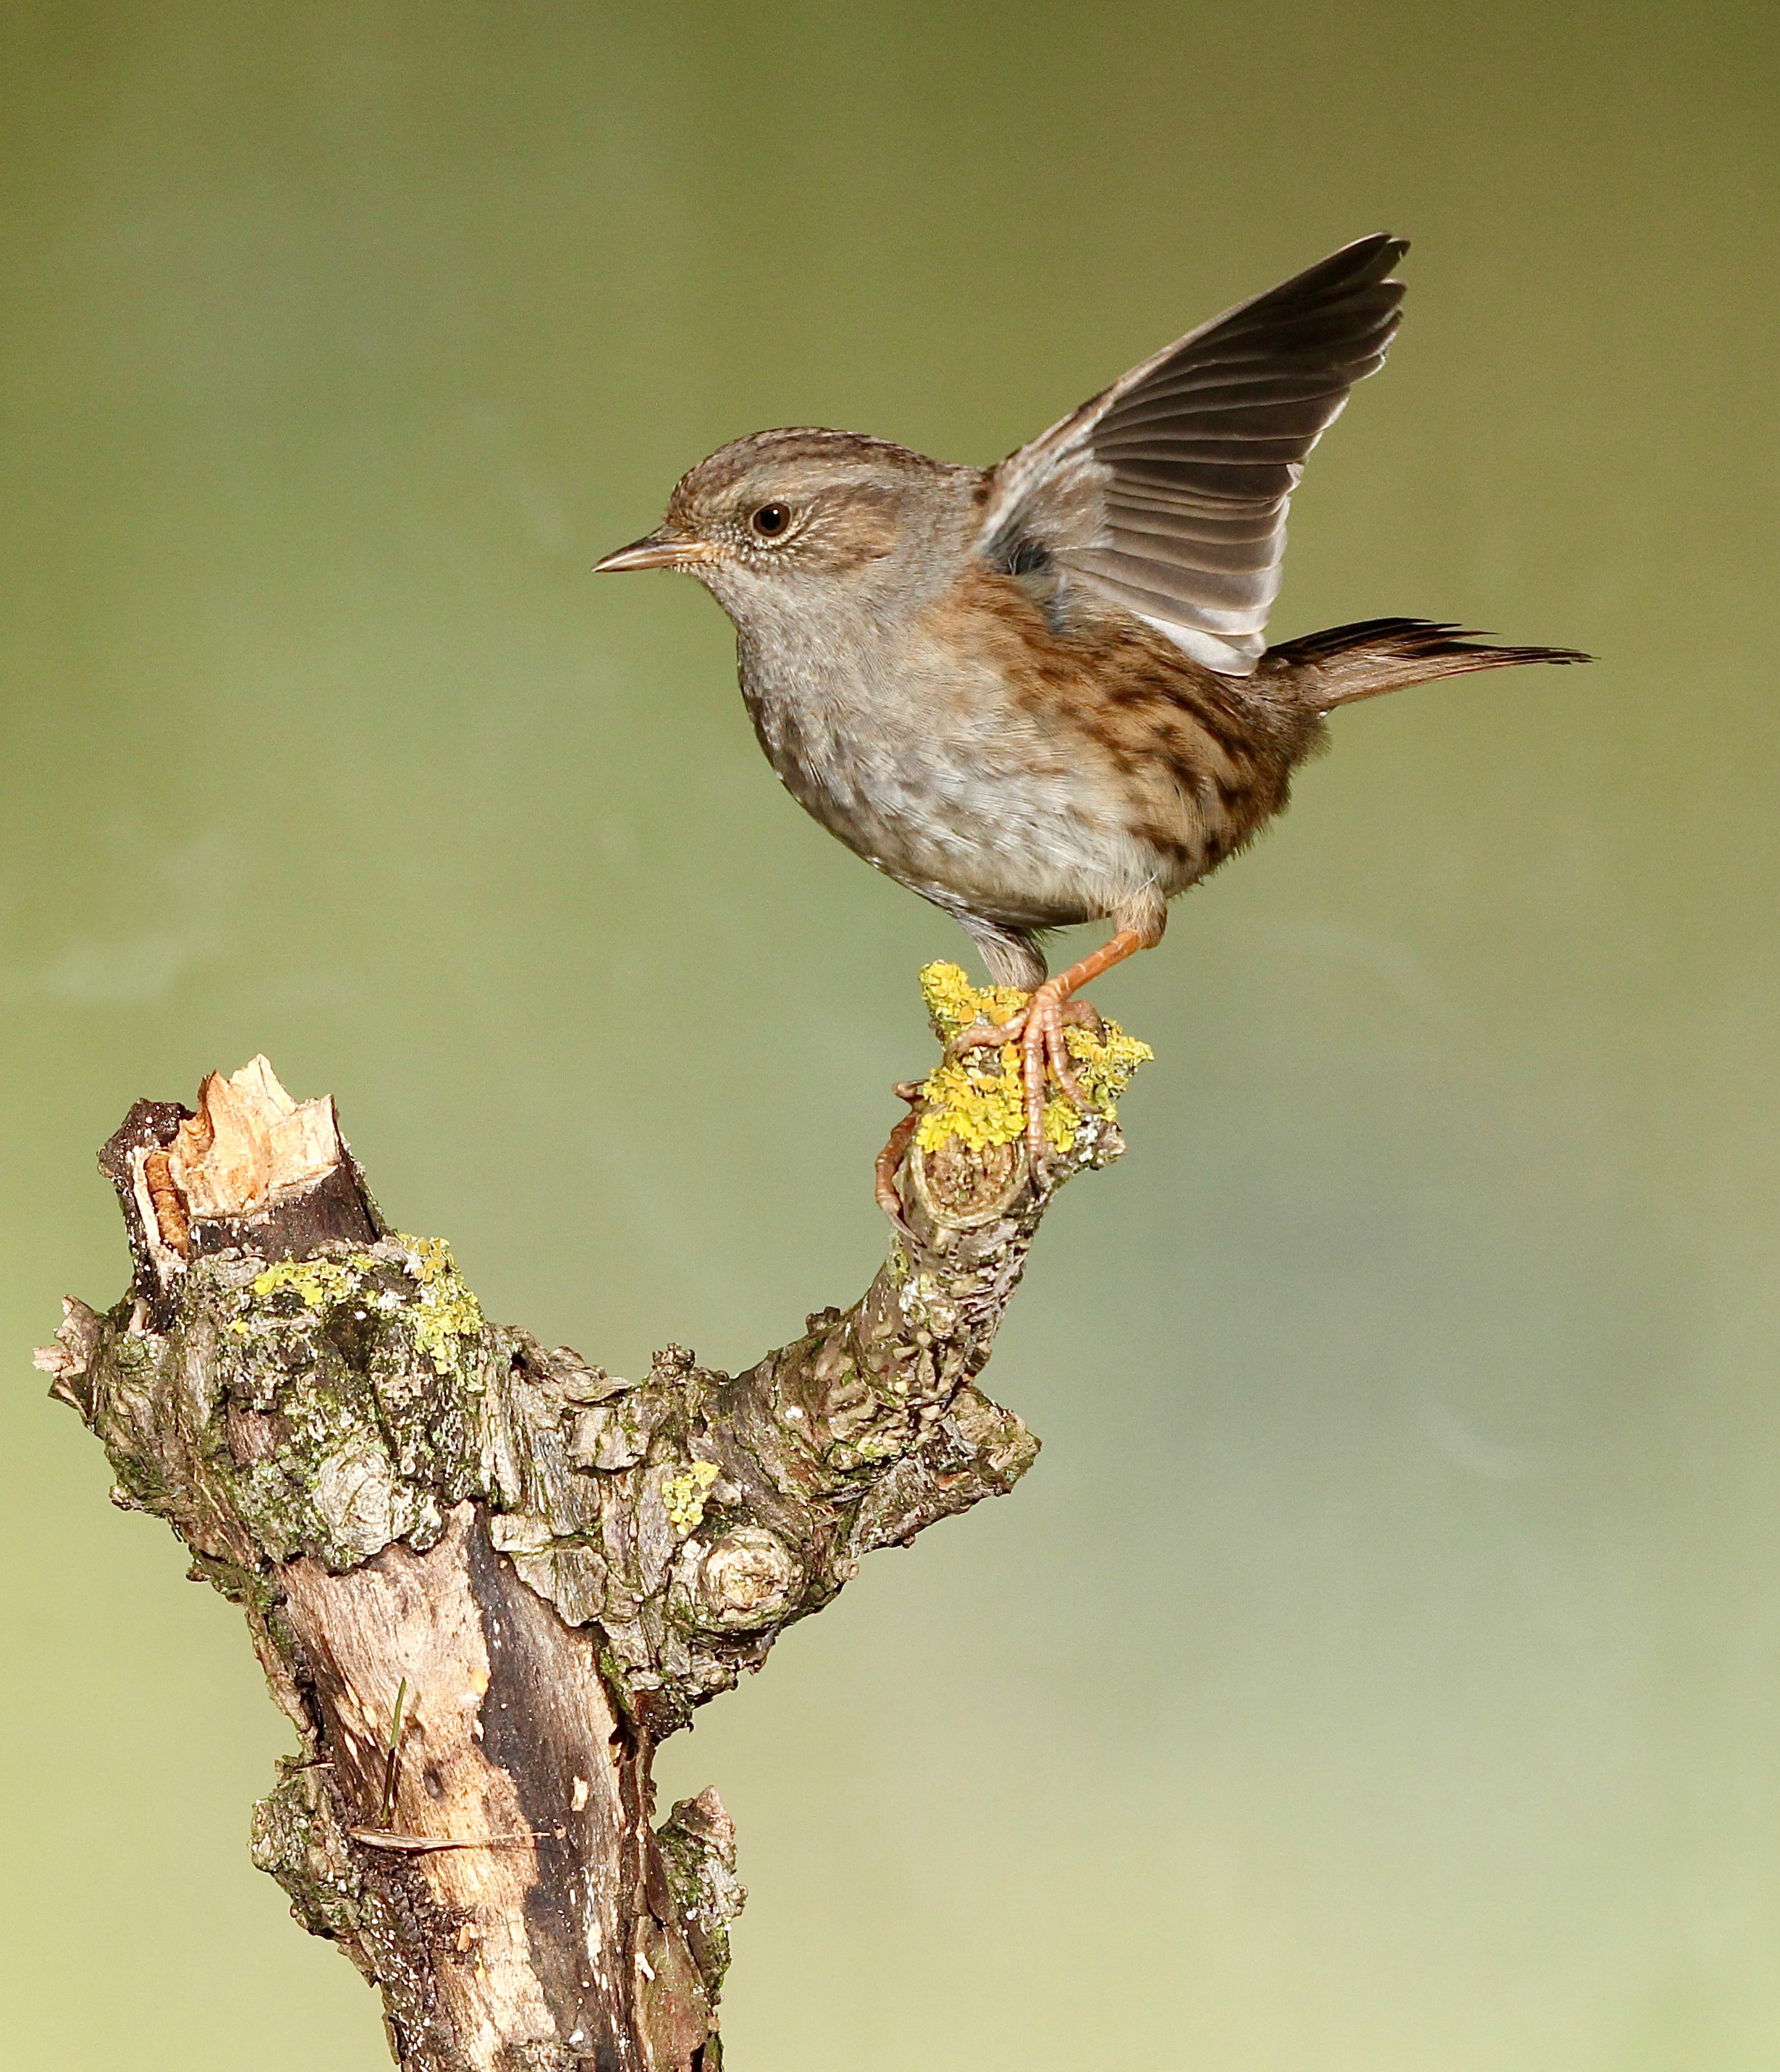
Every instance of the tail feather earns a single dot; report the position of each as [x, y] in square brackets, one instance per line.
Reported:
[1345, 663]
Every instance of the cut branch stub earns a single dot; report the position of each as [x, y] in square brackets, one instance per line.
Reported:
[484, 1579]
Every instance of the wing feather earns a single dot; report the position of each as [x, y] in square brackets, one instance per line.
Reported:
[1166, 494]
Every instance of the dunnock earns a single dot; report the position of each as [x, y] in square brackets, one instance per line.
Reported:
[1039, 693]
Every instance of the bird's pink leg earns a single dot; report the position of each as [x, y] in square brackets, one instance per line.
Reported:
[1038, 1030]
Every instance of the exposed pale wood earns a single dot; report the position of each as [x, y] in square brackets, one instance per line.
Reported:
[509, 1739]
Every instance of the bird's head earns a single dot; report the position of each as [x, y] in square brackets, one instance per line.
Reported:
[801, 523]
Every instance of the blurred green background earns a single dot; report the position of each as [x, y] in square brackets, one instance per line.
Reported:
[1380, 1672]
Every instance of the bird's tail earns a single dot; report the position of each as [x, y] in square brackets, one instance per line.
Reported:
[1349, 662]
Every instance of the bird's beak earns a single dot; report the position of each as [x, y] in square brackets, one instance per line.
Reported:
[658, 549]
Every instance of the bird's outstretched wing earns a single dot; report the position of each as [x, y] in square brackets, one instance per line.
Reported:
[1166, 494]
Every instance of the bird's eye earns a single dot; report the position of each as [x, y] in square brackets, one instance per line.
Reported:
[770, 520]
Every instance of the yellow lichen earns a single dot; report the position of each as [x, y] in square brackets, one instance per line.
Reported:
[953, 1003]
[684, 1492]
[319, 1281]
[447, 1314]
[443, 1317]
[978, 1097]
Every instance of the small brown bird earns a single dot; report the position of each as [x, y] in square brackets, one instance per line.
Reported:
[1039, 693]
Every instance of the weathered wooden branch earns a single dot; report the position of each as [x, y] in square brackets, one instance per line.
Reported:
[485, 1579]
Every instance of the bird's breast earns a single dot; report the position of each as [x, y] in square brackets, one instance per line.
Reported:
[992, 781]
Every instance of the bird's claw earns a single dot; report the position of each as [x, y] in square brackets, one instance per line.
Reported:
[1038, 1030]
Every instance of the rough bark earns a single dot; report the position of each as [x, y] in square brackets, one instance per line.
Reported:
[485, 1579]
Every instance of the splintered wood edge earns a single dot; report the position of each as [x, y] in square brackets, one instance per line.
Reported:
[248, 1149]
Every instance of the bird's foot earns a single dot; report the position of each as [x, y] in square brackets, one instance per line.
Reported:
[1038, 1030]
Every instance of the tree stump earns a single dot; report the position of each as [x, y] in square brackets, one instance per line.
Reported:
[485, 1579]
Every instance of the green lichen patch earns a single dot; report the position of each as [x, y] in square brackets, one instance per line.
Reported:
[368, 1360]
[316, 1282]
[978, 1098]
[440, 1314]
[447, 1316]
